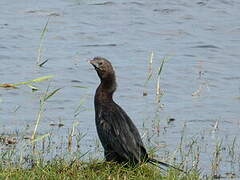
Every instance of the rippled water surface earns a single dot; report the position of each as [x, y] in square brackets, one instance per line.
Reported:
[200, 80]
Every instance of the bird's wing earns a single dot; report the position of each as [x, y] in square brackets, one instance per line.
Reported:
[121, 135]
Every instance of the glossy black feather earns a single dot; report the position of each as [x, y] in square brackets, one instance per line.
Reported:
[118, 134]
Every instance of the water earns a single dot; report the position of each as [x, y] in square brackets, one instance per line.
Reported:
[199, 37]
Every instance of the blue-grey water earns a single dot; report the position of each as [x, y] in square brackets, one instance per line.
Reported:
[200, 79]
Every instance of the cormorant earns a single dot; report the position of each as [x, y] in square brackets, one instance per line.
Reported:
[119, 136]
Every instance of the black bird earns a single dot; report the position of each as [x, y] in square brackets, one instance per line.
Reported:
[119, 136]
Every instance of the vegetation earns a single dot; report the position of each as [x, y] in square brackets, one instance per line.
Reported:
[60, 169]
[39, 156]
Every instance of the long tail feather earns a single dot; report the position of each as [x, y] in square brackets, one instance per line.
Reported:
[154, 162]
[157, 166]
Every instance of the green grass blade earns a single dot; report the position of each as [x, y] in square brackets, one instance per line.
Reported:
[51, 94]
[40, 137]
[44, 30]
[44, 78]
[161, 67]
[41, 42]
[162, 63]
[44, 62]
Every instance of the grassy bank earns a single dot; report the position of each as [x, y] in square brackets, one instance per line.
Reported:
[60, 169]
[22, 158]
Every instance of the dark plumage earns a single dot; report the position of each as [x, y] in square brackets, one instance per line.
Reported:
[119, 136]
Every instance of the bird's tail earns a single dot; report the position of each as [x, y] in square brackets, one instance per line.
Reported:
[159, 164]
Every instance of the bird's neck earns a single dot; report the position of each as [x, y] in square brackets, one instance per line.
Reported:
[106, 89]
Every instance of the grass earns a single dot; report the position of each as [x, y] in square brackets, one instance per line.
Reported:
[43, 100]
[31, 161]
[61, 169]
[31, 158]
[40, 49]
[28, 83]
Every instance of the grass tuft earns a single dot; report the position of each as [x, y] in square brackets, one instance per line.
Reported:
[61, 169]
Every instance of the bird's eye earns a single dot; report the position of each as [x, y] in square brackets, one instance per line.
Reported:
[100, 63]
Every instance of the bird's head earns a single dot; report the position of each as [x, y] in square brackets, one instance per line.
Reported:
[103, 67]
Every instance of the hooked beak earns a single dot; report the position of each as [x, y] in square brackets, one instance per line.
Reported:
[94, 63]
